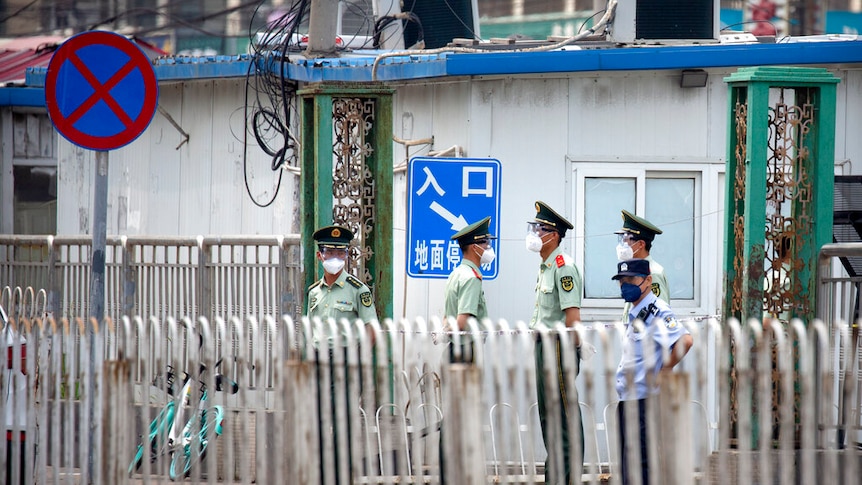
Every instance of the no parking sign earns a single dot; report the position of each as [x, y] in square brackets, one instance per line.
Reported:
[100, 90]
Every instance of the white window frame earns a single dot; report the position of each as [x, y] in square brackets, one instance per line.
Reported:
[709, 220]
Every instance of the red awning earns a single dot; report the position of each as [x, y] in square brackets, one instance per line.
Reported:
[14, 63]
[16, 55]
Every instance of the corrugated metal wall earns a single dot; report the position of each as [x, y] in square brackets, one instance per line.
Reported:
[543, 128]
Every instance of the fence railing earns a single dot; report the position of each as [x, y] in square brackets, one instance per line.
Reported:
[161, 276]
[368, 404]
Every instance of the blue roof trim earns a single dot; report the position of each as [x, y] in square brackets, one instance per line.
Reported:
[359, 66]
[354, 69]
[18, 96]
[176, 68]
[360, 69]
[185, 68]
[655, 58]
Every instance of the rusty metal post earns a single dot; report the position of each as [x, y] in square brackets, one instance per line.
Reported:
[674, 408]
[346, 179]
[781, 145]
[463, 437]
[116, 405]
[302, 459]
[780, 183]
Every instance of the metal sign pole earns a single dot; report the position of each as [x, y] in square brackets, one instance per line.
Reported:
[100, 217]
[93, 94]
[97, 288]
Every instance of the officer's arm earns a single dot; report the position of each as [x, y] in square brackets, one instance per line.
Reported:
[469, 296]
[678, 351]
[573, 315]
[462, 320]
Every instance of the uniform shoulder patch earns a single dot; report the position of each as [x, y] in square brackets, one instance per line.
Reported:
[656, 289]
[366, 299]
[354, 281]
[560, 260]
[315, 285]
[567, 283]
[670, 322]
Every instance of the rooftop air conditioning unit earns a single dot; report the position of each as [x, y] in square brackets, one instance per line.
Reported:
[441, 21]
[658, 20]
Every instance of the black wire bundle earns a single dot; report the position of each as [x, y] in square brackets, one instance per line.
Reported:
[384, 21]
[269, 95]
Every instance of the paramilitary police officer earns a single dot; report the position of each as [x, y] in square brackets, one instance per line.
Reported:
[638, 368]
[465, 298]
[558, 299]
[635, 242]
[464, 295]
[338, 294]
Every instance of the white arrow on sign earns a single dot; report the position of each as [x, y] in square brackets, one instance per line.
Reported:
[458, 222]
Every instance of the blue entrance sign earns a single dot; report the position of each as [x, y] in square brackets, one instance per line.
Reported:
[444, 196]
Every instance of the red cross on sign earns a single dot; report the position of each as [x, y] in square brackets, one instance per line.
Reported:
[101, 90]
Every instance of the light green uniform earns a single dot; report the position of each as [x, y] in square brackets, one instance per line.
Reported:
[347, 298]
[559, 286]
[659, 280]
[464, 292]
[659, 285]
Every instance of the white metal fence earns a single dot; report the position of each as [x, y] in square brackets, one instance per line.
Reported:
[370, 409]
[161, 276]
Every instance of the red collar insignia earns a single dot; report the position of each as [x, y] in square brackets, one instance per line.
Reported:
[478, 274]
[561, 261]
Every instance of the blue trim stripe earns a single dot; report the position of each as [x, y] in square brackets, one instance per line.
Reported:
[185, 68]
[359, 66]
[360, 69]
[655, 58]
[29, 97]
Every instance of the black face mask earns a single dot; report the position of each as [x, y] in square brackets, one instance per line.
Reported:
[630, 292]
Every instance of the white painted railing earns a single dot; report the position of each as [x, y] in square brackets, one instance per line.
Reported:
[369, 407]
[161, 276]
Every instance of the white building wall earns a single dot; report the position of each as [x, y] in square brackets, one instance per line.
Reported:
[548, 131]
[159, 185]
[848, 143]
[545, 129]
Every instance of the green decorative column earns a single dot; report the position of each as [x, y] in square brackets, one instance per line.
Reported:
[346, 163]
[781, 144]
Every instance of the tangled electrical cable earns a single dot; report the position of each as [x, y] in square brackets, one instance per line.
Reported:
[384, 21]
[269, 95]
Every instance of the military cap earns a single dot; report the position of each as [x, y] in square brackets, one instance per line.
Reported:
[475, 232]
[632, 267]
[547, 216]
[638, 226]
[333, 236]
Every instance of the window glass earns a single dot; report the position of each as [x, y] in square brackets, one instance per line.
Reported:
[604, 198]
[670, 206]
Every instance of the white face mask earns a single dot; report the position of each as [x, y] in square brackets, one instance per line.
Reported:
[487, 257]
[624, 252]
[333, 265]
[534, 242]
